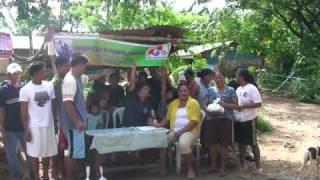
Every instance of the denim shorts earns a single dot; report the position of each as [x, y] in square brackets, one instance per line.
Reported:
[76, 143]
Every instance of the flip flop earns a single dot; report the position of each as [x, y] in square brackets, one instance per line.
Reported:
[258, 171]
[191, 176]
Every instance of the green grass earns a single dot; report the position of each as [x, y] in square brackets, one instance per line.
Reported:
[263, 125]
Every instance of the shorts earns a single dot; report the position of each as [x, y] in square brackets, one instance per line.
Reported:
[43, 142]
[218, 131]
[185, 141]
[245, 132]
[76, 144]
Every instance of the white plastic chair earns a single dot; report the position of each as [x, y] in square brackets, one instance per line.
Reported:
[119, 112]
[106, 119]
[196, 145]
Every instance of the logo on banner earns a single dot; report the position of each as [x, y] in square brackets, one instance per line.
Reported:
[63, 47]
[159, 51]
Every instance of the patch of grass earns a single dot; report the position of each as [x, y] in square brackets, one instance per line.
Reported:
[263, 125]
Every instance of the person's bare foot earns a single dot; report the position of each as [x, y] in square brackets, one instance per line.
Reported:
[191, 174]
[258, 171]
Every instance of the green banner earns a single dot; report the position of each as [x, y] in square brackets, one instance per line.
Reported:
[108, 52]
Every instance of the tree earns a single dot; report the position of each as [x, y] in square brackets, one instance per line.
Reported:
[31, 15]
[99, 16]
[293, 44]
[3, 22]
[65, 17]
[301, 17]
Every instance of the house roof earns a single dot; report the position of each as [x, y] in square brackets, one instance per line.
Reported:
[158, 31]
[151, 35]
[187, 54]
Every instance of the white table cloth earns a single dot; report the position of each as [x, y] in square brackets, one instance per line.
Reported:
[128, 139]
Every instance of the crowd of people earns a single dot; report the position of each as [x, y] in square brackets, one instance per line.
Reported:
[48, 119]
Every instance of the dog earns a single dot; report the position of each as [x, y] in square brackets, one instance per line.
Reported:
[312, 155]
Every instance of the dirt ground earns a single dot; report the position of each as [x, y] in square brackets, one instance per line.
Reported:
[295, 127]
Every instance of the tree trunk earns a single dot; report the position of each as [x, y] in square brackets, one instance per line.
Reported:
[61, 16]
[31, 52]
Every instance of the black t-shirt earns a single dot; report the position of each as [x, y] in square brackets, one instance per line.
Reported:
[9, 100]
[155, 86]
[136, 112]
[98, 87]
[117, 97]
[234, 84]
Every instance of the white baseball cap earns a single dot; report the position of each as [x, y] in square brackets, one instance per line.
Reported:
[182, 77]
[13, 67]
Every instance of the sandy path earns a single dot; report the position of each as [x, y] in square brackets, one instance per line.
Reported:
[296, 127]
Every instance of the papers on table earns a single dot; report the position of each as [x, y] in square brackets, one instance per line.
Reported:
[146, 128]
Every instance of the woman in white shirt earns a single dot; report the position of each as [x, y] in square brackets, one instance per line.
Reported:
[249, 99]
[183, 116]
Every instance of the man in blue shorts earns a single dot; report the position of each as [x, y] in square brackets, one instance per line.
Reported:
[75, 111]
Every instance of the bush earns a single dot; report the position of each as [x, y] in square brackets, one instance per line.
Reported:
[176, 65]
[268, 80]
[263, 125]
[307, 90]
[300, 88]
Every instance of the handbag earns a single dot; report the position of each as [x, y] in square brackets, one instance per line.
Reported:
[239, 116]
[214, 110]
[63, 143]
